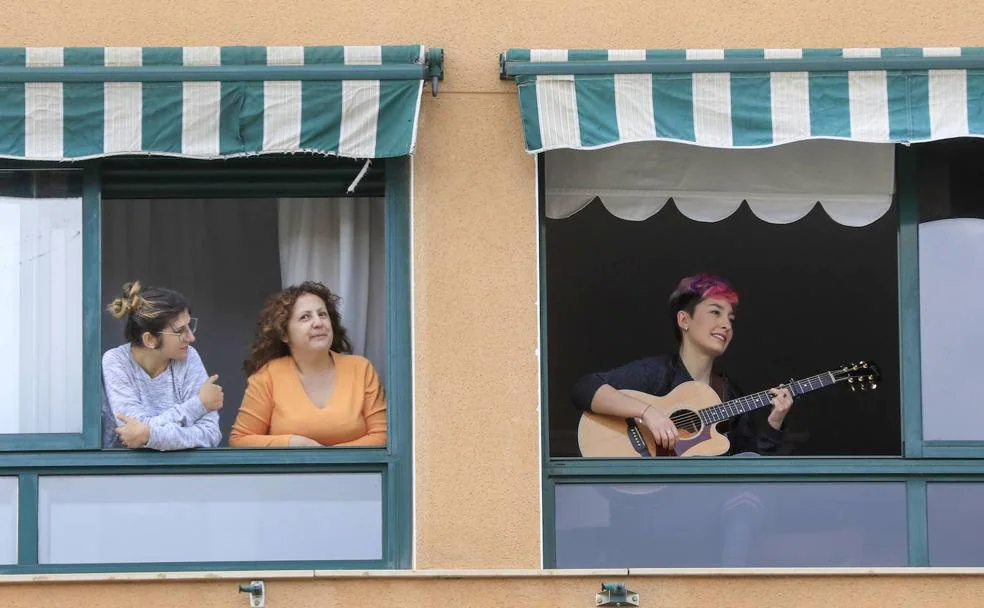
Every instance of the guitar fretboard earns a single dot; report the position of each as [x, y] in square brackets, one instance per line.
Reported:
[730, 409]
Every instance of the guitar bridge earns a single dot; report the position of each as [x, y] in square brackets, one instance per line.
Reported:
[636, 439]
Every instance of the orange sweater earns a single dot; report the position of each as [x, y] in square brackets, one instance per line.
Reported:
[275, 407]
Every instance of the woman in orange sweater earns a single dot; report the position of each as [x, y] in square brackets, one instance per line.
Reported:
[304, 388]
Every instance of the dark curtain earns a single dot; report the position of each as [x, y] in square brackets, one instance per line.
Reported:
[221, 254]
[814, 295]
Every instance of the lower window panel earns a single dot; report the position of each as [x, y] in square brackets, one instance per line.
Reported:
[8, 520]
[209, 518]
[777, 524]
[956, 537]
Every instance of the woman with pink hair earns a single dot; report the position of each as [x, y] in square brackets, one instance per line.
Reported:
[702, 310]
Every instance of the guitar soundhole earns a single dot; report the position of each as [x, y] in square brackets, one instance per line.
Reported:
[687, 421]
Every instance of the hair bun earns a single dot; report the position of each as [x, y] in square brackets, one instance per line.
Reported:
[129, 303]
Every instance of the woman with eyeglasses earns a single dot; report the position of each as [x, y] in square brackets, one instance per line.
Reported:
[156, 392]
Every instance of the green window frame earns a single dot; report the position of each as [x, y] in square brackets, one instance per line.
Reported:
[30, 456]
[921, 462]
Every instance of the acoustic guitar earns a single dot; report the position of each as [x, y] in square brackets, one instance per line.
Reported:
[696, 410]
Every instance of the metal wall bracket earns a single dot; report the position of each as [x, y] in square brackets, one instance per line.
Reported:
[434, 64]
[257, 593]
[615, 594]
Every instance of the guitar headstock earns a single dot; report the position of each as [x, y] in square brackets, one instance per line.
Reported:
[861, 376]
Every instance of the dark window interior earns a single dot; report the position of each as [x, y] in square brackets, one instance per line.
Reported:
[950, 178]
[814, 295]
[210, 231]
[222, 254]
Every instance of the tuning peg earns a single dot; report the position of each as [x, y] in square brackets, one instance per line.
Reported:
[874, 385]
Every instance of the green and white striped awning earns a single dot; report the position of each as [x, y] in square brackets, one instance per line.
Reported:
[212, 102]
[583, 99]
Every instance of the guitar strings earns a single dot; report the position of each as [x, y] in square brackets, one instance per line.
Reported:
[687, 420]
[693, 421]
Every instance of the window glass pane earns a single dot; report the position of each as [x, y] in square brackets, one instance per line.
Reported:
[160, 518]
[8, 520]
[730, 524]
[41, 301]
[955, 535]
[951, 262]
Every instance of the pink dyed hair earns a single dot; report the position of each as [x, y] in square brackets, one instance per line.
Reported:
[702, 286]
[691, 290]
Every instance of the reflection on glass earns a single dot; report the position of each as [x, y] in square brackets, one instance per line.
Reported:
[8, 520]
[730, 525]
[955, 535]
[41, 301]
[206, 518]
[951, 260]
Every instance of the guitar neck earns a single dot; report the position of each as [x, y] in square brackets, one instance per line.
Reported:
[730, 409]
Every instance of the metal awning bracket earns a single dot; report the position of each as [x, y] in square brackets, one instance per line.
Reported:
[435, 67]
[615, 594]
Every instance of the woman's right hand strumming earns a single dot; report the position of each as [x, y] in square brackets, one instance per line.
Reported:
[609, 401]
[664, 431]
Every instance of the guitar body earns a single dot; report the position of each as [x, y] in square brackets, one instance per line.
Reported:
[688, 405]
[609, 436]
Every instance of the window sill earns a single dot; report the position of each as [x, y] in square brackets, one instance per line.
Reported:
[485, 573]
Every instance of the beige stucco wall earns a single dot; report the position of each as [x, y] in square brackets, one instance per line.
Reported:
[475, 277]
[474, 227]
[542, 592]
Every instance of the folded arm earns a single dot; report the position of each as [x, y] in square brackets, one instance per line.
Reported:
[204, 433]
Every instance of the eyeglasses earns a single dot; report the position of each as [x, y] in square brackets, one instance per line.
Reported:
[184, 332]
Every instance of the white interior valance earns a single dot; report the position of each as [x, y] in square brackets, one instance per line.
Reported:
[853, 181]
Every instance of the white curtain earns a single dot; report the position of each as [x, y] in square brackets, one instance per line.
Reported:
[41, 302]
[341, 243]
[853, 181]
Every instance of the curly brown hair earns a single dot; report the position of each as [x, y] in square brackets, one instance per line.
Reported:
[271, 329]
